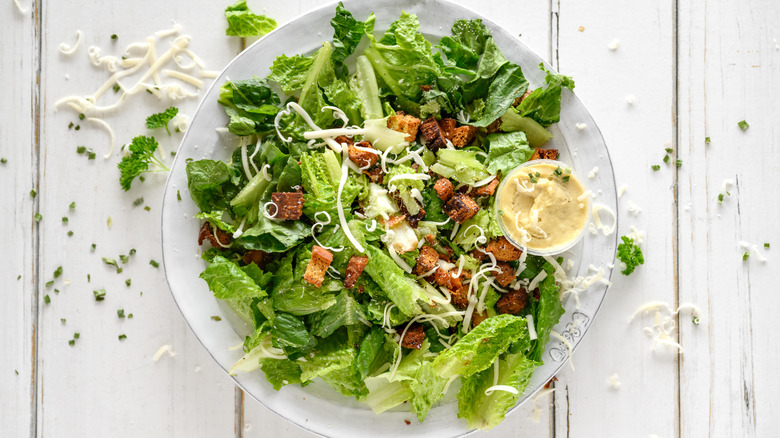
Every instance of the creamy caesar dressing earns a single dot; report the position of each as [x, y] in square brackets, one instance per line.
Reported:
[543, 207]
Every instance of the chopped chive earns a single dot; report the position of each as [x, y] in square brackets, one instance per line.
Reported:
[81, 149]
[82, 116]
[656, 167]
[50, 283]
[666, 158]
[154, 263]
[669, 150]
[91, 155]
[56, 291]
[110, 261]
[100, 294]
[70, 125]
[147, 208]
[565, 178]
[178, 195]
[127, 282]
[129, 316]
[122, 337]
[33, 193]
[46, 299]
[70, 233]
[119, 270]
[77, 127]
[149, 91]
[766, 245]
[93, 247]
[3, 160]
[695, 320]
[89, 278]
[63, 320]
[19, 277]
[116, 88]
[132, 251]
[120, 313]
[124, 258]
[532, 178]
[113, 36]
[76, 335]
[216, 318]
[58, 272]
[37, 217]
[64, 219]
[142, 178]
[558, 171]
[720, 198]
[678, 163]
[138, 202]
[743, 125]
[71, 342]
[745, 256]
[707, 140]
[173, 153]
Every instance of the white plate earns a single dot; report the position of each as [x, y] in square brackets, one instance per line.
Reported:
[317, 408]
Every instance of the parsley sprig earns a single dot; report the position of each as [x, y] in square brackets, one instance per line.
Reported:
[160, 120]
[141, 157]
[630, 254]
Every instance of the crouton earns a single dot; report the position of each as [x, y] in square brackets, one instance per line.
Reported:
[392, 220]
[343, 139]
[375, 175]
[520, 99]
[289, 206]
[478, 254]
[462, 136]
[503, 250]
[426, 261]
[477, 318]
[488, 189]
[363, 159]
[512, 302]
[430, 238]
[406, 124]
[321, 259]
[432, 134]
[447, 127]
[443, 188]
[414, 337]
[260, 258]
[355, 267]
[425, 88]
[545, 154]
[505, 275]
[460, 208]
[207, 232]
[459, 297]
[448, 279]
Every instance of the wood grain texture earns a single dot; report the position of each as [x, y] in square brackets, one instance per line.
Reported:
[729, 72]
[18, 267]
[640, 66]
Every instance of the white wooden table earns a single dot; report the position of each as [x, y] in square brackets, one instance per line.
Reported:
[694, 70]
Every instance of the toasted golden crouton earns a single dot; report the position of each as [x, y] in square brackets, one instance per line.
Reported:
[505, 275]
[375, 175]
[355, 267]
[362, 158]
[512, 302]
[426, 261]
[406, 124]
[463, 135]
[477, 318]
[545, 154]
[443, 188]
[414, 337]
[460, 208]
[289, 206]
[432, 134]
[215, 236]
[260, 258]
[321, 259]
[487, 190]
[520, 99]
[503, 250]
[447, 127]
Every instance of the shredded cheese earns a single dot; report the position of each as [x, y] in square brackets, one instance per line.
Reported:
[531, 328]
[558, 336]
[161, 351]
[105, 125]
[342, 218]
[66, 49]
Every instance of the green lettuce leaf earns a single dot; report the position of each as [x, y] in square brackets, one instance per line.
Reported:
[211, 184]
[548, 314]
[292, 294]
[333, 361]
[344, 312]
[508, 84]
[399, 289]
[466, 44]
[537, 135]
[468, 234]
[342, 96]
[272, 236]
[289, 333]
[486, 411]
[480, 347]
[290, 72]
[215, 218]
[544, 105]
[242, 22]
[281, 372]
[460, 165]
[507, 151]
[251, 105]
[347, 33]
[376, 349]
[228, 281]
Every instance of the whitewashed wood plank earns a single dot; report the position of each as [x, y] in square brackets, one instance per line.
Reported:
[729, 71]
[17, 259]
[532, 24]
[636, 134]
[102, 386]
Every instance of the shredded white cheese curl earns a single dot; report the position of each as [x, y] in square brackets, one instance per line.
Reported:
[67, 49]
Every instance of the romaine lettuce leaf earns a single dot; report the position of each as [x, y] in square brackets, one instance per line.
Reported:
[251, 105]
[271, 236]
[376, 349]
[333, 362]
[344, 312]
[281, 372]
[468, 233]
[211, 183]
[243, 23]
[508, 84]
[399, 289]
[544, 105]
[290, 72]
[460, 165]
[537, 135]
[347, 33]
[289, 333]
[486, 411]
[228, 281]
[481, 346]
[466, 44]
[548, 314]
[507, 151]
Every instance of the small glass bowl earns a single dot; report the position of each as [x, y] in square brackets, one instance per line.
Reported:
[546, 251]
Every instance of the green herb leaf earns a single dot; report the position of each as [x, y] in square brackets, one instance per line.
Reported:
[37, 217]
[154, 263]
[160, 120]
[122, 337]
[656, 167]
[743, 125]
[58, 272]
[46, 299]
[745, 256]
[707, 140]
[630, 254]
[120, 313]
[141, 157]
[100, 294]
[678, 163]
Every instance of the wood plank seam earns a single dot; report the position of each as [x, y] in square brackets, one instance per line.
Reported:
[675, 188]
[36, 234]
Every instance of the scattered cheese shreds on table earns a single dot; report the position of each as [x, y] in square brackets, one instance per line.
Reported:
[664, 327]
[169, 74]
[161, 351]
